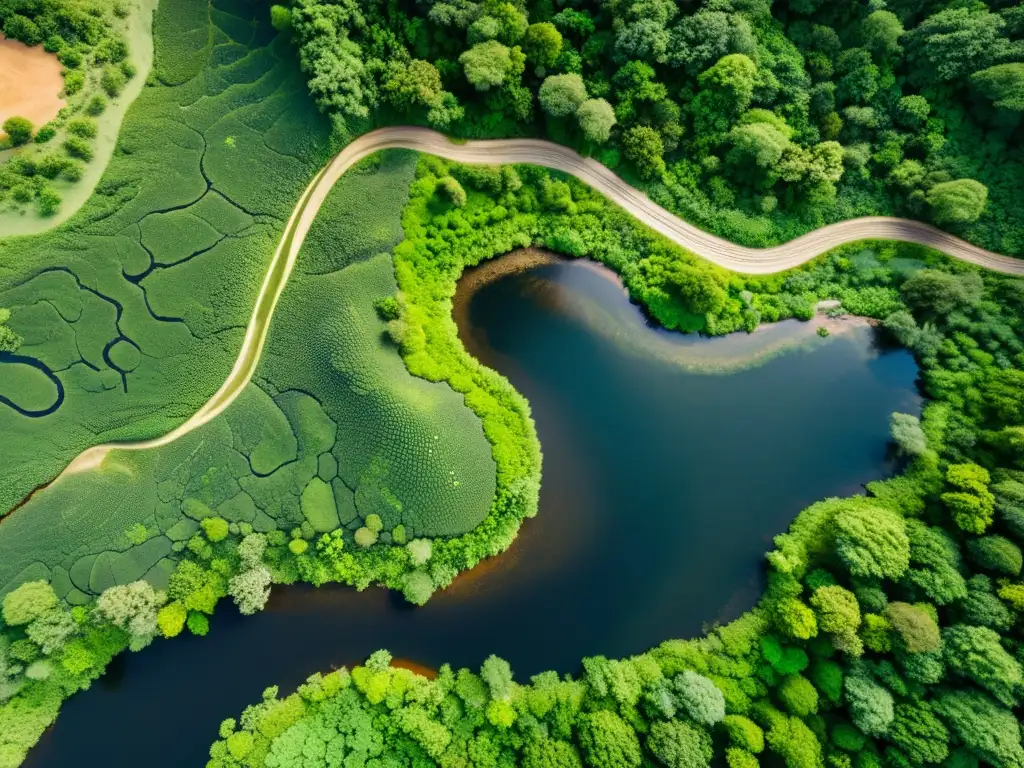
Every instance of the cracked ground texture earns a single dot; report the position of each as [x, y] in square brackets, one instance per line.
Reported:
[138, 304]
[331, 429]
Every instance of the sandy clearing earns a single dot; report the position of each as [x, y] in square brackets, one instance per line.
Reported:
[30, 83]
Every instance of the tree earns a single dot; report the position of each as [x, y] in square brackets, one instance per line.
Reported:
[412, 85]
[562, 95]
[907, 434]
[699, 697]
[497, 673]
[981, 607]
[596, 118]
[132, 607]
[996, 553]
[972, 504]
[417, 587]
[757, 145]
[988, 730]
[794, 742]
[251, 589]
[1003, 84]
[215, 528]
[644, 148]
[486, 64]
[912, 111]
[280, 18]
[250, 550]
[679, 745]
[870, 705]
[544, 752]
[28, 602]
[871, 541]
[170, 619]
[795, 619]
[957, 202]
[744, 733]
[542, 44]
[607, 741]
[51, 630]
[882, 31]
[976, 653]
[918, 733]
[941, 293]
[727, 89]
[917, 630]
[798, 696]
[838, 613]
[959, 41]
[19, 130]
[706, 36]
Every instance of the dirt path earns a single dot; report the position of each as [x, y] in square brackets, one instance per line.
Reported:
[536, 152]
[31, 84]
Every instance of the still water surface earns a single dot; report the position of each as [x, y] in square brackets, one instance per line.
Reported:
[663, 486]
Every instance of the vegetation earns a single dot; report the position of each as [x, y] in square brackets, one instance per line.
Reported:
[753, 119]
[88, 38]
[888, 631]
[377, 451]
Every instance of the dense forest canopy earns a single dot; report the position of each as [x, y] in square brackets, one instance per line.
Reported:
[753, 118]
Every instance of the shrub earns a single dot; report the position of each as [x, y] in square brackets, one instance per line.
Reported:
[18, 130]
[97, 105]
[365, 537]
[996, 553]
[82, 126]
[78, 147]
[215, 528]
[28, 602]
[48, 201]
[113, 81]
[45, 133]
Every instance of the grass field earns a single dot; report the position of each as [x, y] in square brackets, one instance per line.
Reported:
[333, 429]
[138, 303]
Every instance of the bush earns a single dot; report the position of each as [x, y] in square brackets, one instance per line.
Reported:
[83, 127]
[45, 133]
[113, 81]
[78, 147]
[97, 105]
[18, 130]
[48, 201]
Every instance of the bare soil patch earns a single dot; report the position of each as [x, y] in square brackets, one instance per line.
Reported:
[30, 83]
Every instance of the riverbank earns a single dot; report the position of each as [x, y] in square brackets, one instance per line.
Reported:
[626, 325]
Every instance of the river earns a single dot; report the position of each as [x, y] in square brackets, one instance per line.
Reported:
[669, 464]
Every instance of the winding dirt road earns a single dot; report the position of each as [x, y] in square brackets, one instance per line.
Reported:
[536, 152]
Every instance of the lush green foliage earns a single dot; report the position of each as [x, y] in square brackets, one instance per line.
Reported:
[88, 37]
[754, 119]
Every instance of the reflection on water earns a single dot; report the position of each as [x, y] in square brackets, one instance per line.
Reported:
[662, 489]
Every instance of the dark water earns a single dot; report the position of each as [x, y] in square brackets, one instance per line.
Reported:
[662, 489]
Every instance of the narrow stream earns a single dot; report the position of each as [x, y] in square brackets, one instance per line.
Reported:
[663, 485]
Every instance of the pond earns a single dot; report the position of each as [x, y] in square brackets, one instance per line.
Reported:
[663, 485]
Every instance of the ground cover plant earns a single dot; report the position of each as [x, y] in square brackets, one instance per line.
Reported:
[753, 119]
[224, 498]
[138, 303]
[889, 631]
[889, 634]
[90, 41]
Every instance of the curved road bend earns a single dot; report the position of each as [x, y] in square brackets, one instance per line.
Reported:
[544, 153]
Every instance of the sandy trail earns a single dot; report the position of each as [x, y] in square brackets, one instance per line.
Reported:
[535, 152]
[30, 83]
